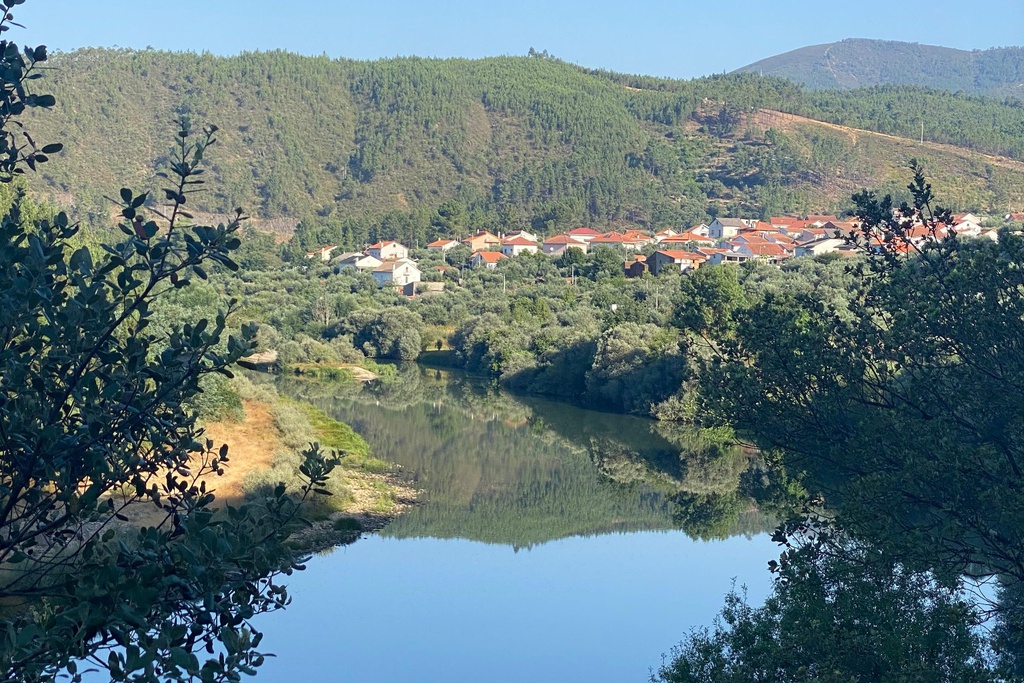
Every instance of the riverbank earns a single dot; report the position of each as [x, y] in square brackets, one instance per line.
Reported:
[264, 448]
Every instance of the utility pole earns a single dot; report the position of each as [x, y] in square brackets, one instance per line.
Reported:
[922, 131]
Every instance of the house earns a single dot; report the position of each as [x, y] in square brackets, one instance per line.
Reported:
[521, 233]
[809, 234]
[783, 222]
[636, 267]
[709, 253]
[635, 240]
[726, 228]
[764, 250]
[442, 245]
[556, 246]
[583, 234]
[387, 250]
[323, 253]
[632, 242]
[514, 246]
[481, 241]
[487, 259]
[822, 245]
[399, 273]
[966, 224]
[729, 256]
[662, 234]
[357, 260]
[685, 238]
[682, 261]
[821, 219]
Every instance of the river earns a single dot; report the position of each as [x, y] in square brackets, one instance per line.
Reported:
[553, 544]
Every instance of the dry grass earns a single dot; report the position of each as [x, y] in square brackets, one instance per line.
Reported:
[251, 447]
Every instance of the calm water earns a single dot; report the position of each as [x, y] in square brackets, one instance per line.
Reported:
[556, 544]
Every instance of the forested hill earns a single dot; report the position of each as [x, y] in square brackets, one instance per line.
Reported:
[436, 145]
[860, 63]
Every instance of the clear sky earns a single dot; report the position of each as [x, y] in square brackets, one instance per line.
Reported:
[684, 38]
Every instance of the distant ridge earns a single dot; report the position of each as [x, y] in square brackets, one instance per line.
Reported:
[858, 63]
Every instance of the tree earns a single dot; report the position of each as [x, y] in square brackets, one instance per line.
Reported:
[903, 409]
[96, 428]
[838, 618]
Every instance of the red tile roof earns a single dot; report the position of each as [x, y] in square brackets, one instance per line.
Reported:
[564, 239]
[489, 256]
[518, 241]
[677, 255]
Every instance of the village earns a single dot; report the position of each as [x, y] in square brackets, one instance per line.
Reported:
[723, 241]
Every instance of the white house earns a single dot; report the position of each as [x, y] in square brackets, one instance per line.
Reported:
[323, 253]
[823, 245]
[442, 245]
[513, 246]
[387, 250]
[726, 228]
[583, 234]
[522, 233]
[399, 273]
[357, 260]
[556, 246]
[487, 259]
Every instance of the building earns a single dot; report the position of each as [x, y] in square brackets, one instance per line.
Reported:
[726, 228]
[522, 233]
[618, 239]
[398, 273]
[514, 246]
[481, 241]
[556, 246]
[636, 267]
[682, 261]
[583, 234]
[682, 239]
[442, 245]
[487, 259]
[763, 250]
[387, 251]
[823, 245]
[357, 260]
[323, 253]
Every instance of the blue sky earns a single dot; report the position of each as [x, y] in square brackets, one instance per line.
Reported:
[678, 39]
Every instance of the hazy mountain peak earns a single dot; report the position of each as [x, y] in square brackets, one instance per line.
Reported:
[862, 62]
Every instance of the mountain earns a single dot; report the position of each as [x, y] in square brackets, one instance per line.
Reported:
[419, 147]
[859, 63]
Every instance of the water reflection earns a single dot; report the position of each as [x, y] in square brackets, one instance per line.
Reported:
[524, 471]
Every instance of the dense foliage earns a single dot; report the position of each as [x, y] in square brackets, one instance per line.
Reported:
[415, 148]
[891, 415]
[837, 618]
[98, 427]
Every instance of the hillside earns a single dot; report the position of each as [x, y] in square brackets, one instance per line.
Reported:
[860, 63]
[421, 147]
